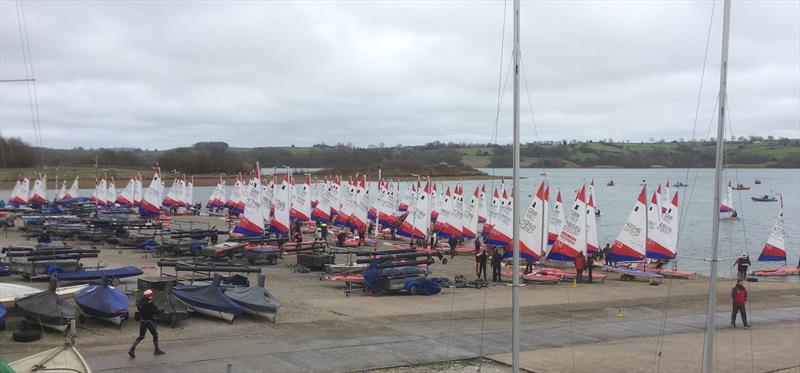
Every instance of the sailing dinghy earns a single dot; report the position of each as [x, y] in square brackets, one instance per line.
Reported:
[630, 245]
[775, 250]
[726, 210]
[60, 359]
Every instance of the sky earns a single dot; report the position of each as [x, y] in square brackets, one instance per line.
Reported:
[161, 74]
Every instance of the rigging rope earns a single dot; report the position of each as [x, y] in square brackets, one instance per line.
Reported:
[33, 96]
[500, 95]
[686, 199]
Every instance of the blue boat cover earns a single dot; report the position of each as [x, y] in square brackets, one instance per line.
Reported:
[209, 297]
[102, 301]
[373, 275]
[4, 271]
[3, 312]
[98, 274]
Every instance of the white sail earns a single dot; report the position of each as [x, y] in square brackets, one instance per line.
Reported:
[251, 220]
[501, 233]
[631, 241]
[301, 201]
[151, 199]
[592, 238]
[472, 209]
[126, 197]
[653, 212]
[280, 219]
[418, 221]
[38, 192]
[662, 241]
[138, 192]
[775, 247]
[572, 239]
[726, 209]
[111, 193]
[361, 205]
[62, 192]
[533, 227]
[556, 220]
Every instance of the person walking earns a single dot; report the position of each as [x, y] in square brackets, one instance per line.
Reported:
[589, 264]
[497, 259]
[362, 235]
[324, 228]
[739, 298]
[145, 313]
[742, 265]
[453, 242]
[605, 254]
[481, 262]
[580, 265]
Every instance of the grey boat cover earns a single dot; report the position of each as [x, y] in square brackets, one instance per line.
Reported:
[255, 298]
[170, 309]
[47, 307]
[207, 297]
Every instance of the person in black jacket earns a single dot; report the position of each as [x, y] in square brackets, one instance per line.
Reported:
[742, 265]
[44, 237]
[453, 242]
[481, 259]
[497, 259]
[147, 311]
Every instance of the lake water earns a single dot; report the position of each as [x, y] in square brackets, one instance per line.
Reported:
[747, 233]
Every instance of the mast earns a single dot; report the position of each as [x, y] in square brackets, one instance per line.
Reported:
[709, 353]
[378, 207]
[515, 202]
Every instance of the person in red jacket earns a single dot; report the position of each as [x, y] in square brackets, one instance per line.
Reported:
[739, 297]
[580, 265]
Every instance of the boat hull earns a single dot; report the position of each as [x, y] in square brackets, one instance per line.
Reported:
[229, 317]
[271, 316]
[60, 359]
[778, 272]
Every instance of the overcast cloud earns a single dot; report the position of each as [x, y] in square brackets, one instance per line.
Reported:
[165, 74]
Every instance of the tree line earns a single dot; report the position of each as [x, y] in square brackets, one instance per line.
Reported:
[449, 158]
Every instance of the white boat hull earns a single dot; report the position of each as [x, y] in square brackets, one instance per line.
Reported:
[265, 315]
[229, 317]
[60, 359]
[10, 293]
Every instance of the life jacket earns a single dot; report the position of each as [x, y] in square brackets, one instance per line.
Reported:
[739, 296]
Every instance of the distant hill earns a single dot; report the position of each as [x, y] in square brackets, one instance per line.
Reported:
[435, 159]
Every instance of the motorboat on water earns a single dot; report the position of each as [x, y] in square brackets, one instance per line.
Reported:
[764, 198]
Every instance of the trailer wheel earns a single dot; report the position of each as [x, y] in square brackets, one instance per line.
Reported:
[414, 289]
[26, 335]
[444, 260]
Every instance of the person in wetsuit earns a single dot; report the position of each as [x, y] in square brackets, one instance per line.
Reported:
[147, 311]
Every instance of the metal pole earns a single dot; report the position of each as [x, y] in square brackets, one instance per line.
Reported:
[378, 209]
[515, 202]
[709, 353]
